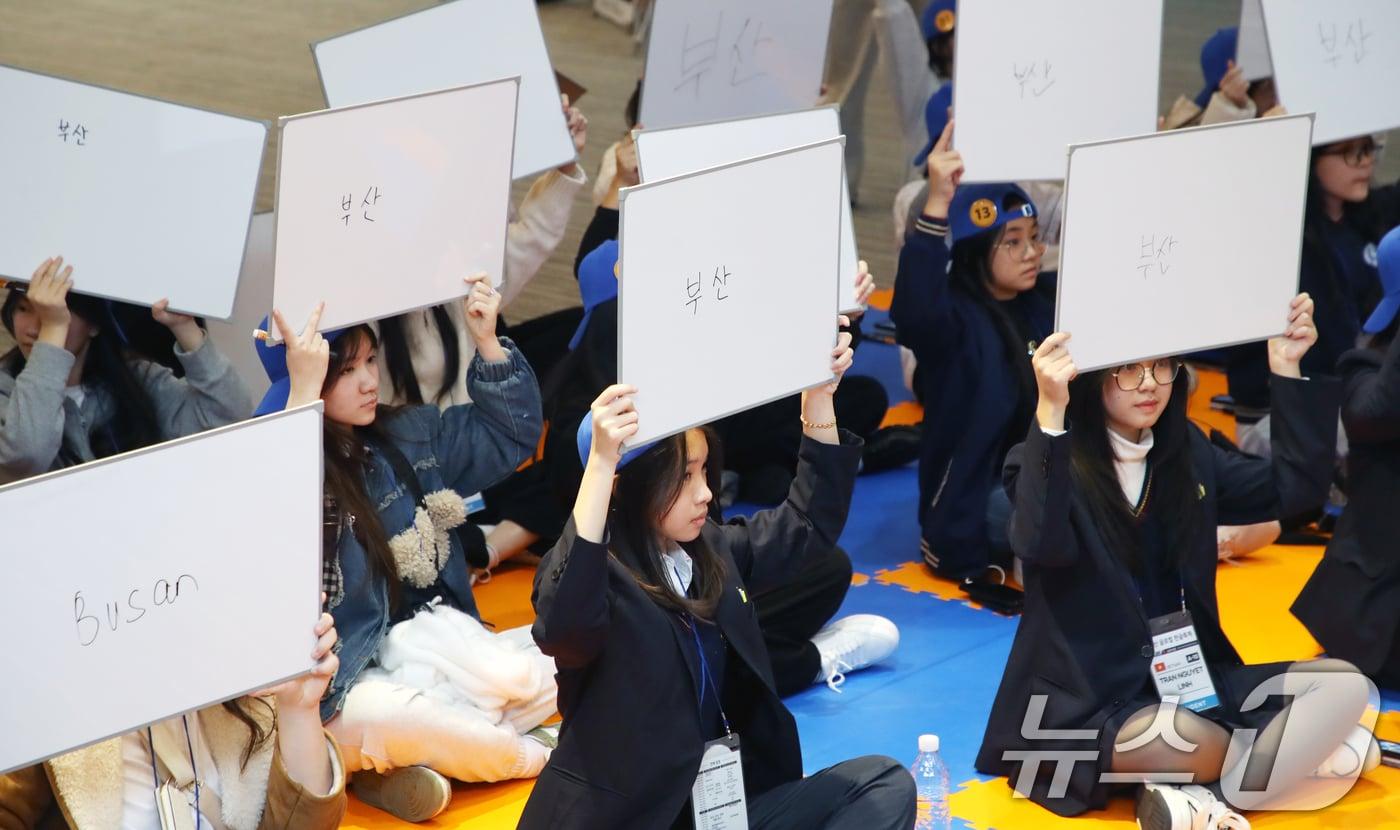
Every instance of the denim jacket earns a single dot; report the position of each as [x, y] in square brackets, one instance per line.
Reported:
[463, 449]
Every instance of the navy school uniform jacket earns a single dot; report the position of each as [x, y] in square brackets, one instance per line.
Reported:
[1083, 640]
[1338, 269]
[970, 396]
[632, 736]
[1351, 604]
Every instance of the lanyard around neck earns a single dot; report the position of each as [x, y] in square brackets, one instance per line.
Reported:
[155, 776]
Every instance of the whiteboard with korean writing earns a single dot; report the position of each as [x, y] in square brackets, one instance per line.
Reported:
[235, 337]
[1035, 77]
[1149, 268]
[383, 208]
[714, 59]
[663, 154]
[144, 198]
[1340, 59]
[1252, 47]
[204, 588]
[463, 42]
[727, 291]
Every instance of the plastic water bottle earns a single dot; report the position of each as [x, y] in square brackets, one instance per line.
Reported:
[931, 779]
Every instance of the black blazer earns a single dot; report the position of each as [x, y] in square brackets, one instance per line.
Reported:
[1083, 640]
[1352, 602]
[631, 740]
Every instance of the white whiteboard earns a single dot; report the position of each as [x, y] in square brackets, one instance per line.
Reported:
[664, 154]
[427, 179]
[234, 338]
[709, 60]
[1252, 48]
[1340, 59]
[146, 199]
[720, 306]
[463, 42]
[200, 590]
[1158, 259]
[1035, 77]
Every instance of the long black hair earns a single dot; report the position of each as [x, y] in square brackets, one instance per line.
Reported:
[398, 357]
[971, 273]
[107, 367]
[644, 490]
[346, 451]
[1362, 217]
[1174, 492]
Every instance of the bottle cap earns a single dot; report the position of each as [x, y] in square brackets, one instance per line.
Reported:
[928, 743]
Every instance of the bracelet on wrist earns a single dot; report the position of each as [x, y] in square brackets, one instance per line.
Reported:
[809, 425]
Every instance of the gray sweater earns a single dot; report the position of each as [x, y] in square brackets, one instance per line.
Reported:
[37, 418]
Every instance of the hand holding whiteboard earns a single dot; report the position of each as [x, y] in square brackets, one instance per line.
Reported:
[463, 42]
[727, 287]
[152, 199]
[384, 208]
[203, 589]
[715, 59]
[1034, 77]
[664, 154]
[1339, 59]
[1158, 259]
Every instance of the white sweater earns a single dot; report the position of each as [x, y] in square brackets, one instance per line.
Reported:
[534, 232]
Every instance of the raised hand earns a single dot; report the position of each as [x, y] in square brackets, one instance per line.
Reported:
[1286, 352]
[482, 307]
[1054, 369]
[945, 170]
[308, 356]
[614, 421]
[1233, 85]
[48, 295]
[187, 332]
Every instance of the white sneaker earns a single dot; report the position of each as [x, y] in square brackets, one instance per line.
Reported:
[852, 643]
[1358, 754]
[413, 794]
[1188, 807]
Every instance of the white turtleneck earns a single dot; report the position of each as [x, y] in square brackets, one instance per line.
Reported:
[1130, 462]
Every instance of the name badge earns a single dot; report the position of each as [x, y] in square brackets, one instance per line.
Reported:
[475, 503]
[717, 799]
[1178, 666]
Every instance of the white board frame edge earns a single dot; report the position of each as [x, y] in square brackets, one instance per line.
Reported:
[317, 405]
[252, 204]
[553, 80]
[835, 106]
[274, 337]
[1298, 277]
[622, 196]
[1161, 39]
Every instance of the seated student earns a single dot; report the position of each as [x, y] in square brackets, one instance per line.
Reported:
[260, 762]
[424, 690]
[806, 645]
[1351, 605]
[970, 314]
[1116, 496]
[422, 352]
[1226, 96]
[643, 577]
[70, 390]
[1344, 219]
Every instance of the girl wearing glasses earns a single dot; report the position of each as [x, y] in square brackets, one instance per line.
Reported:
[969, 313]
[1116, 498]
[1345, 219]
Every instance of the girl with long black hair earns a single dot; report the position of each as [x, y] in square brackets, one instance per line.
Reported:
[1120, 655]
[646, 605]
[71, 391]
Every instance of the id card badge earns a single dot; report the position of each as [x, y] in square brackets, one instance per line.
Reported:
[174, 808]
[717, 799]
[475, 503]
[1178, 666]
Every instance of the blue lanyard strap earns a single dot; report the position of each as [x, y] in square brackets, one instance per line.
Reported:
[708, 679]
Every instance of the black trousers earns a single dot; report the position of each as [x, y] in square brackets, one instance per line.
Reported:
[788, 617]
[867, 793]
[771, 434]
